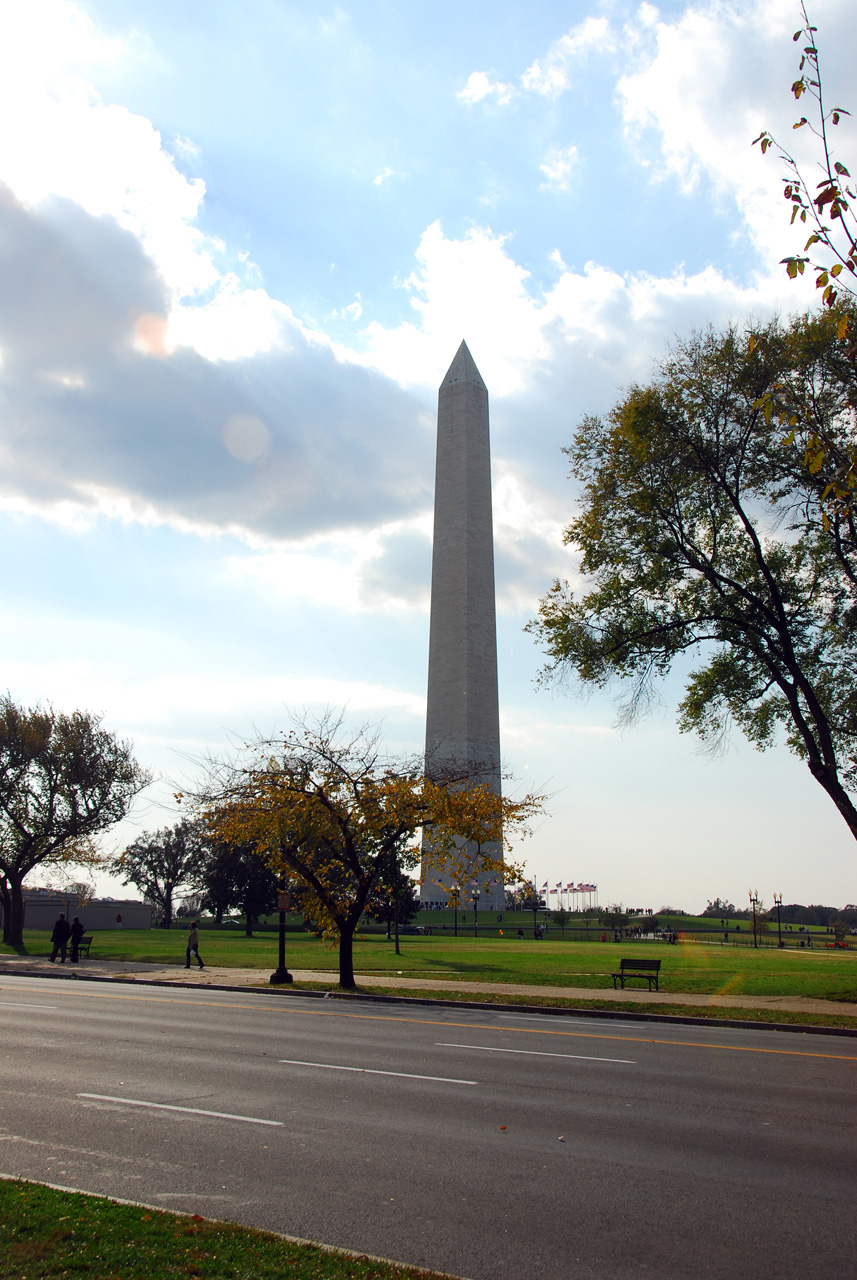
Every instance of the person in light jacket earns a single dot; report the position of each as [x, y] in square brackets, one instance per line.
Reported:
[193, 945]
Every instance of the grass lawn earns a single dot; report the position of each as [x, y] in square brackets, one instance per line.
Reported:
[705, 967]
[46, 1233]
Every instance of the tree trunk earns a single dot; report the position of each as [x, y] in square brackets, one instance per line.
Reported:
[218, 917]
[829, 780]
[13, 913]
[6, 903]
[346, 953]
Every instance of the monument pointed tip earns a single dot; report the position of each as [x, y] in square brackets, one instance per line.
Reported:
[463, 368]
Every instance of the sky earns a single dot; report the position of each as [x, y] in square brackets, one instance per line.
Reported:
[240, 245]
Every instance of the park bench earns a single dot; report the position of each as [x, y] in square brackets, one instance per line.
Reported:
[84, 945]
[646, 969]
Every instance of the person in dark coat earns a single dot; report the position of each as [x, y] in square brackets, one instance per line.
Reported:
[77, 932]
[60, 937]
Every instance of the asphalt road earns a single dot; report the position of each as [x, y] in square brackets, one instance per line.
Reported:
[485, 1144]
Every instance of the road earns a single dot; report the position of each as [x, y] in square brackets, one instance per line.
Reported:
[481, 1143]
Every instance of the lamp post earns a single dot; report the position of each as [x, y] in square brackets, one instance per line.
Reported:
[281, 974]
[455, 891]
[778, 899]
[476, 913]
[754, 899]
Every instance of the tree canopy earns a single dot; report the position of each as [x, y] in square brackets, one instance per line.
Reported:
[160, 863]
[335, 818]
[700, 533]
[63, 780]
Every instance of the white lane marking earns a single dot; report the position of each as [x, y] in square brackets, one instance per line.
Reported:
[535, 1053]
[16, 1004]
[372, 1071]
[165, 1106]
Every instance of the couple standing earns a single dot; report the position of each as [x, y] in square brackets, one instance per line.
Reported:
[62, 934]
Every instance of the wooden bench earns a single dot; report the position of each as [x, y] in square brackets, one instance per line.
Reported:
[646, 969]
[84, 945]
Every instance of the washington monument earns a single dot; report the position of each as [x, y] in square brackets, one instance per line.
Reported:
[462, 714]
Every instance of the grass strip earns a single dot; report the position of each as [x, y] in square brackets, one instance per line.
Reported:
[728, 1013]
[46, 1233]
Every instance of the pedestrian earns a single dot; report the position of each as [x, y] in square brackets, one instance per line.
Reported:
[77, 932]
[59, 937]
[118, 922]
[193, 945]
[521, 935]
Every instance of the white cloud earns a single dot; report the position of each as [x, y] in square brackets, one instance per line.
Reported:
[705, 86]
[382, 177]
[595, 319]
[479, 87]
[549, 76]
[558, 167]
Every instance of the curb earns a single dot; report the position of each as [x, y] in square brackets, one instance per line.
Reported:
[550, 1011]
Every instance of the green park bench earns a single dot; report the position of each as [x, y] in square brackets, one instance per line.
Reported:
[648, 970]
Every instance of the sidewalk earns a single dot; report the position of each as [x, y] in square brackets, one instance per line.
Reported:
[218, 975]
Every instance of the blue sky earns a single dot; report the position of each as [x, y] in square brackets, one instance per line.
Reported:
[239, 246]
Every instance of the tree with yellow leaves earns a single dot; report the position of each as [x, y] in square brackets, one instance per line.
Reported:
[337, 819]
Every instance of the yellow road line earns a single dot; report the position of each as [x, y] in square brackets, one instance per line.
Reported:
[478, 1026]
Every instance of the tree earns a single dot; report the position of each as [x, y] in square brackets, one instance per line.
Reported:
[532, 900]
[831, 198]
[614, 917]
[395, 897]
[721, 908]
[254, 885]
[699, 528]
[160, 863]
[333, 815]
[561, 918]
[63, 780]
[213, 880]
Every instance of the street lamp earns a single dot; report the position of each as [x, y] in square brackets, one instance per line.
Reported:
[476, 913]
[754, 900]
[281, 974]
[454, 892]
[778, 899]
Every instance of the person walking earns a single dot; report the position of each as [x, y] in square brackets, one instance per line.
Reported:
[193, 945]
[59, 937]
[76, 933]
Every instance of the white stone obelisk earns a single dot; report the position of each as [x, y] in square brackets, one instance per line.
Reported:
[462, 714]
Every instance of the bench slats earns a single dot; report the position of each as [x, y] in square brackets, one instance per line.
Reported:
[648, 970]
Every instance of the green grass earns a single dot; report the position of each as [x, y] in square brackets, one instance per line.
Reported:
[706, 968]
[46, 1233]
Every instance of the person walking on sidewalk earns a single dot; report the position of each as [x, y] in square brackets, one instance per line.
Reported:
[59, 937]
[193, 945]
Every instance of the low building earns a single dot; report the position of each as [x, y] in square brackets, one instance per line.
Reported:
[42, 907]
